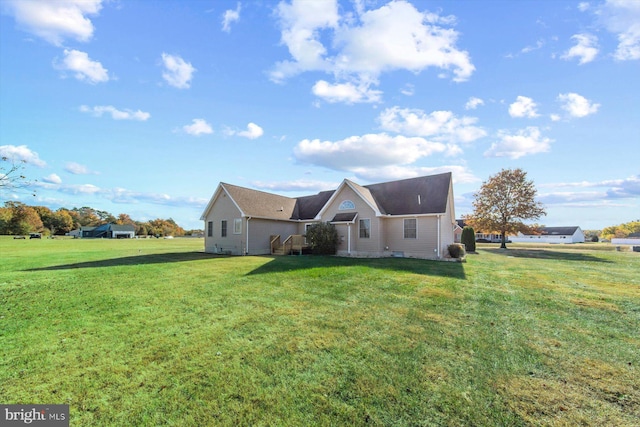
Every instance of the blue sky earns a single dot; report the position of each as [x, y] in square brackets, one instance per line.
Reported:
[143, 107]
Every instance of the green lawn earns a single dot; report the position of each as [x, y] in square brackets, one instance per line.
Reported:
[154, 332]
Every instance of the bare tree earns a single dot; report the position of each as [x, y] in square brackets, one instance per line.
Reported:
[11, 175]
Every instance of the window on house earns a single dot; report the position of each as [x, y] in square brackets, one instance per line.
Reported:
[237, 226]
[210, 229]
[410, 228]
[365, 228]
[223, 228]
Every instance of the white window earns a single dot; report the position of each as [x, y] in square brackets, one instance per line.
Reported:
[365, 228]
[410, 228]
[346, 205]
[237, 226]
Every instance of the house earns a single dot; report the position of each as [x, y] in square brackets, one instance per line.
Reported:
[411, 218]
[552, 235]
[109, 231]
[481, 237]
[632, 239]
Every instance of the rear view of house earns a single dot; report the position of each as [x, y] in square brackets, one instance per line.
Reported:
[412, 218]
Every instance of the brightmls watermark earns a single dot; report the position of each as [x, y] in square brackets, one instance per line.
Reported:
[34, 415]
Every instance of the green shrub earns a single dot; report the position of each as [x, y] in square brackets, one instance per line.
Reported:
[323, 238]
[468, 239]
[456, 250]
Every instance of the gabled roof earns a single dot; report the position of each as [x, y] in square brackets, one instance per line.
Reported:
[413, 196]
[308, 207]
[558, 231]
[256, 203]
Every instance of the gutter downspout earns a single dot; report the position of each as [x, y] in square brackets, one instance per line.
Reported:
[349, 239]
[439, 238]
[246, 252]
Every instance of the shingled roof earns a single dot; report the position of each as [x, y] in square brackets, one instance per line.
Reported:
[558, 231]
[413, 196]
[256, 203]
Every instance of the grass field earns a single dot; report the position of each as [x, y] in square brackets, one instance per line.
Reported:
[153, 332]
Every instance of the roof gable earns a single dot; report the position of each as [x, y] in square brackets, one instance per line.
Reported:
[413, 196]
[254, 203]
[559, 231]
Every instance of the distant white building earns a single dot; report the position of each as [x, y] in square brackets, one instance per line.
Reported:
[552, 235]
[633, 239]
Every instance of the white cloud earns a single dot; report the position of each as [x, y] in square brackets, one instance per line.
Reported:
[123, 195]
[398, 36]
[555, 117]
[78, 169]
[356, 49]
[441, 126]
[524, 142]
[116, 114]
[537, 46]
[473, 103]
[84, 68]
[300, 23]
[80, 189]
[54, 21]
[198, 127]
[345, 92]
[178, 73]
[366, 151]
[253, 131]
[584, 6]
[460, 174]
[585, 49]
[622, 17]
[297, 185]
[523, 107]
[20, 153]
[576, 105]
[613, 188]
[408, 90]
[229, 17]
[52, 179]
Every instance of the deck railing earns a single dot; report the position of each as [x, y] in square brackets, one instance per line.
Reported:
[275, 243]
[295, 242]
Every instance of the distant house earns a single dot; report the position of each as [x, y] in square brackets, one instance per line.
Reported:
[631, 239]
[552, 235]
[109, 231]
[412, 217]
[481, 237]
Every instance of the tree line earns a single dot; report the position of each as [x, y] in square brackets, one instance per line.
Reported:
[17, 218]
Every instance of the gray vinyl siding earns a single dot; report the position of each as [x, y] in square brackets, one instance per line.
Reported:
[223, 209]
[359, 247]
[422, 246]
[261, 229]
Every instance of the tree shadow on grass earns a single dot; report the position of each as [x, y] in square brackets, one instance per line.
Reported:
[283, 264]
[545, 254]
[165, 258]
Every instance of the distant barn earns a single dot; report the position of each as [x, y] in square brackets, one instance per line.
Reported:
[552, 235]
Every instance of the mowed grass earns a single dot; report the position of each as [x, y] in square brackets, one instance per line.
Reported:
[154, 332]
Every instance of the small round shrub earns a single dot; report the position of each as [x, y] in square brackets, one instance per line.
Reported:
[456, 250]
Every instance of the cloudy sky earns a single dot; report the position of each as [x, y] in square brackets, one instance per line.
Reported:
[143, 107]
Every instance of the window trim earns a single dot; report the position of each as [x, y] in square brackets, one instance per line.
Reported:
[367, 229]
[210, 229]
[223, 228]
[237, 226]
[404, 228]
